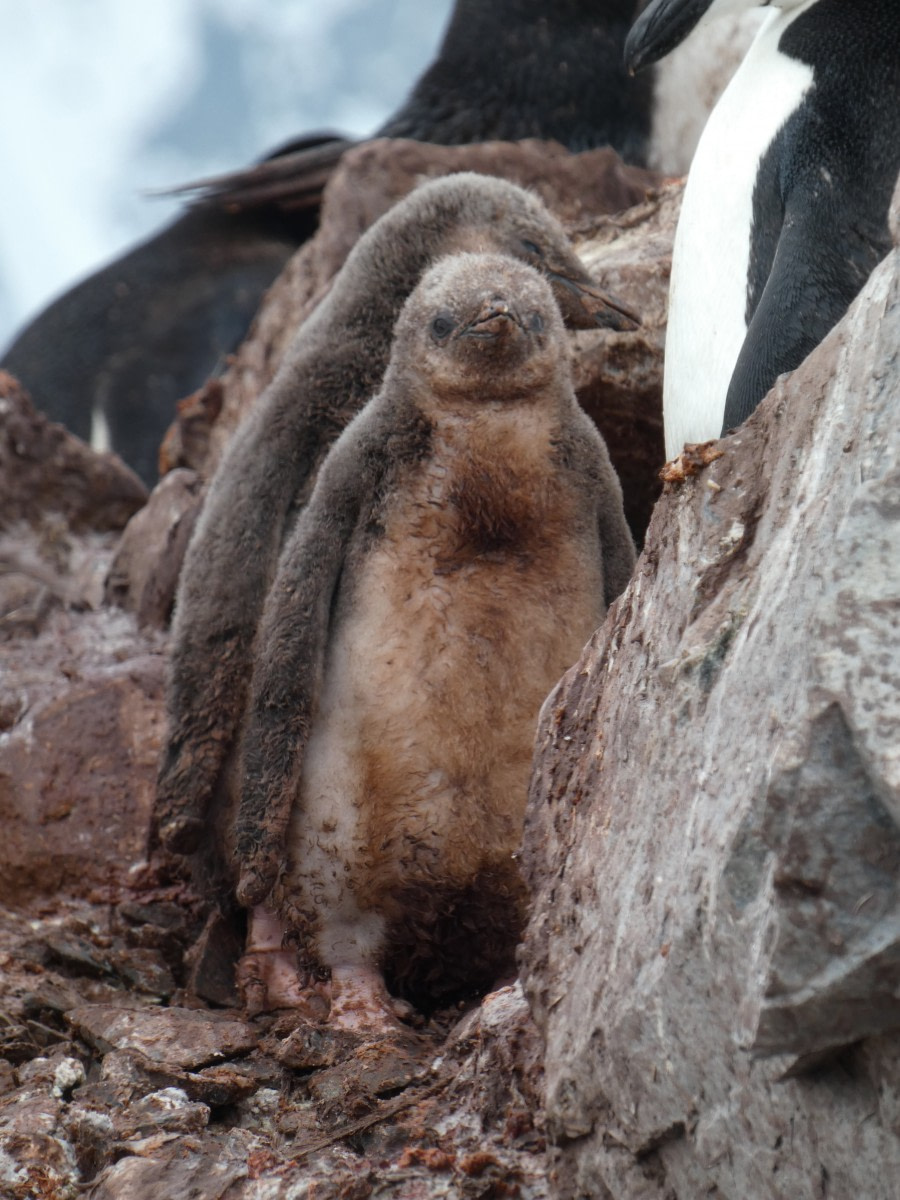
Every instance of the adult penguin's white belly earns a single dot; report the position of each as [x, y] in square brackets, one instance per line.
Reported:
[710, 264]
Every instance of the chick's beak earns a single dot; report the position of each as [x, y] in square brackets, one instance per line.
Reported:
[494, 319]
[584, 306]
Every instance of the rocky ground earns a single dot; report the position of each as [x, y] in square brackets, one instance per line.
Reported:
[116, 1080]
[712, 843]
[114, 1083]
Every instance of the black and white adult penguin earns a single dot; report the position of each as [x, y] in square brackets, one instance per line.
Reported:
[112, 356]
[785, 212]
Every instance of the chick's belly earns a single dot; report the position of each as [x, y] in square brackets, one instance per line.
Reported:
[417, 767]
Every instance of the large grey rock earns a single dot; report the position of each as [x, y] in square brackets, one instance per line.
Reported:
[714, 828]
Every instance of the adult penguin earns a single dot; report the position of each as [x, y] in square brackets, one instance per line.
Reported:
[785, 212]
[112, 356]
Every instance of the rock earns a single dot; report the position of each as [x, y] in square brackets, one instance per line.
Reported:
[376, 1068]
[33, 1164]
[44, 469]
[59, 505]
[500, 1066]
[618, 377]
[177, 1037]
[144, 570]
[80, 692]
[130, 1073]
[78, 764]
[183, 1170]
[230, 1082]
[310, 1047]
[713, 837]
[61, 1071]
[36, 1159]
[212, 960]
[145, 971]
[78, 954]
[187, 438]
[166, 1111]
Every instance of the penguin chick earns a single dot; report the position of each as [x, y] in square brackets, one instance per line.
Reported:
[334, 365]
[785, 213]
[463, 540]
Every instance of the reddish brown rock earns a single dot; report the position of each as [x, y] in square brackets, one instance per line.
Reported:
[173, 1170]
[144, 571]
[78, 762]
[44, 469]
[60, 504]
[618, 377]
[80, 691]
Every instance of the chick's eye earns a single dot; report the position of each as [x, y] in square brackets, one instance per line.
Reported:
[532, 248]
[535, 322]
[442, 326]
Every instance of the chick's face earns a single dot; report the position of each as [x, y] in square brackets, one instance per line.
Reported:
[483, 328]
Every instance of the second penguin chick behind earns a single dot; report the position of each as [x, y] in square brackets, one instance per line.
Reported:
[464, 539]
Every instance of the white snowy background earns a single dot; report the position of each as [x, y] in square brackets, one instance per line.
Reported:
[102, 101]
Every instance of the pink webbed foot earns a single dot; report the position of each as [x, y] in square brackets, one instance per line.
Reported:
[360, 1002]
[268, 976]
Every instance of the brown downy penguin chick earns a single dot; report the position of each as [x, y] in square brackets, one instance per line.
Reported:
[463, 540]
[335, 364]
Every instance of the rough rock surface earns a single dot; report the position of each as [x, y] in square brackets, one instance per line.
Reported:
[81, 704]
[143, 574]
[61, 506]
[44, 470]
[618, 376]
[714, 827]
[80, 689]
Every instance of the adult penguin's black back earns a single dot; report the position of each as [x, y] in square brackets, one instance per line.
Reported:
[516, 69]
[111, 357]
